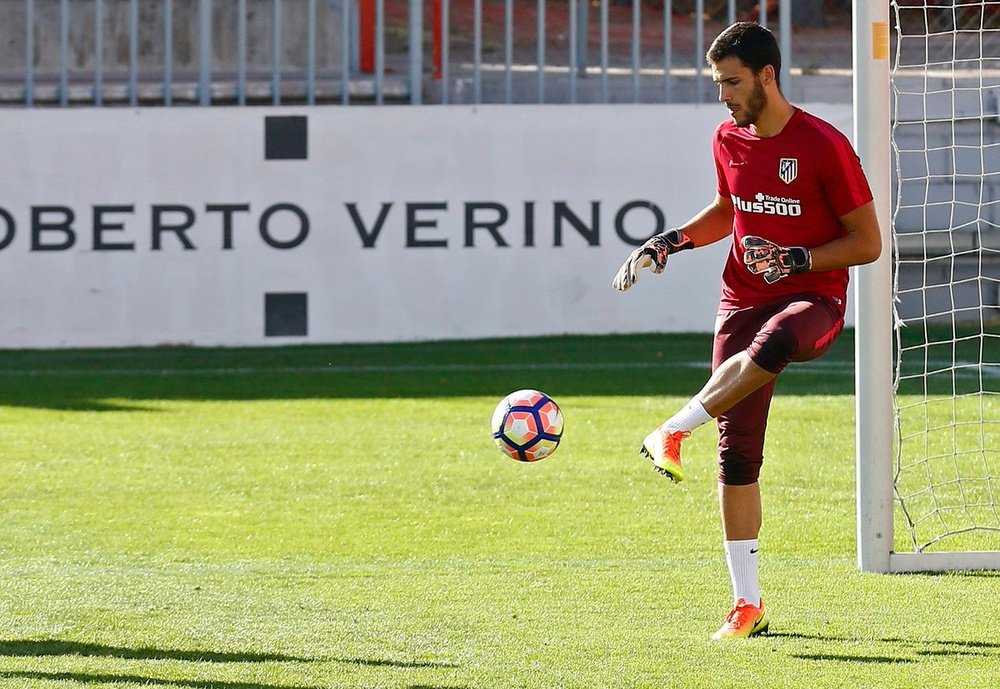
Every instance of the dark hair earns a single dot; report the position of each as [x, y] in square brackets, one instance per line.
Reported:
[754, 45]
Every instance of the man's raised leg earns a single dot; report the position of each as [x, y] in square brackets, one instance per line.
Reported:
[729, 384]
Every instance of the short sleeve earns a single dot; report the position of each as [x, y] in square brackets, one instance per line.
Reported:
[844, 180]
[722, 184]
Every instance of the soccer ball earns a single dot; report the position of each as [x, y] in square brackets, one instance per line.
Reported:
[527, 425]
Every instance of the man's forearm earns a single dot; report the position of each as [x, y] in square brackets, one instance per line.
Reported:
[862, 243]
[712, 223]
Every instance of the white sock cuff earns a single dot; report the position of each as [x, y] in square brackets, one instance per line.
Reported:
[751, 545]
[690, 417]
[741, 557]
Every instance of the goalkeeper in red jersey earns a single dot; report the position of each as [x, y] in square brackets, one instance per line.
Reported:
[794, 200]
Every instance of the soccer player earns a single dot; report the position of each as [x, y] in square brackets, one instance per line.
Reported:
[793, 197]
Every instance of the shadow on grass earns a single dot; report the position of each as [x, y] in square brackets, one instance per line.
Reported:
[844, 658]
[54, 647]
[91, 678]
[95, 405]
[120, 380]
[406, 664]
[664, 364]
[955, 648]
[961, 573]
[927, 647]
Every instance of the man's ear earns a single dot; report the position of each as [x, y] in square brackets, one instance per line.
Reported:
[767, 74]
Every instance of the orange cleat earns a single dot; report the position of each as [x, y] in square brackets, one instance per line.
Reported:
[663, 449]
[744, 620]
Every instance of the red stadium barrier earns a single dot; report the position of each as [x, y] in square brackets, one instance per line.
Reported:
[366, 39]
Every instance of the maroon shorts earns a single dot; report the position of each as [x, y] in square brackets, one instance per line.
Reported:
[774, 334]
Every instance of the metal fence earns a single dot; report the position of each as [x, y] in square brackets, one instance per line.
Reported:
[205, 52]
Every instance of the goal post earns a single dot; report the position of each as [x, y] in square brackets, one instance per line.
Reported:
[873, 295]
[928, 311]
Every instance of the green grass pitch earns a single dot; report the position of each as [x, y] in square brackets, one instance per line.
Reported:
[311, 517]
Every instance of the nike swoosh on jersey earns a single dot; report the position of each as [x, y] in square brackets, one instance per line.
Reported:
[737, 163]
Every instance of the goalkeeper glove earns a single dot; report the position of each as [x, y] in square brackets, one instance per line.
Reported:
[653, 255]
[772, 261]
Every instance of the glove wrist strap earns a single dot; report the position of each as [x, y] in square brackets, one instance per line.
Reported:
[677, 241]
[801, 259]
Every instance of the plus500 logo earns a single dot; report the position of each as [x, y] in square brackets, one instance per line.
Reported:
[769, 205]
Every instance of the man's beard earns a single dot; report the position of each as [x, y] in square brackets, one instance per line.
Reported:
[756, 103]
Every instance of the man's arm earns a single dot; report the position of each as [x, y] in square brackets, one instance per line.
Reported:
[862, 243]
[711, 224]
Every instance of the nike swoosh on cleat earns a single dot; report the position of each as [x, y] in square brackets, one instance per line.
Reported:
[754, 550]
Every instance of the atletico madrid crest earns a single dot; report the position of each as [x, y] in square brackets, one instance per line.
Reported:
[788, 169]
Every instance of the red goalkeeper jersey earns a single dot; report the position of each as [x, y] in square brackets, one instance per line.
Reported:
[790, 189]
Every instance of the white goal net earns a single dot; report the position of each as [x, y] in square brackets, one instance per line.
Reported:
[945, 101]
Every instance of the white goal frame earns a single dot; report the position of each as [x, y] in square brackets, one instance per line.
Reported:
[874, 321]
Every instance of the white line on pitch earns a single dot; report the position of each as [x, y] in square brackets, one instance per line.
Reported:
[399, 368]
[333, 568]
[960, 369]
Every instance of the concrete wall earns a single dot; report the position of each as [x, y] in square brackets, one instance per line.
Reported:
[248, 226]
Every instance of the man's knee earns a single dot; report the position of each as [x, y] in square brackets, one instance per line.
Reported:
[774, 349]
[738, 470]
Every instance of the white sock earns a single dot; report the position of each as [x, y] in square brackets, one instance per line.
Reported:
[690, 417]
[741, 558]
